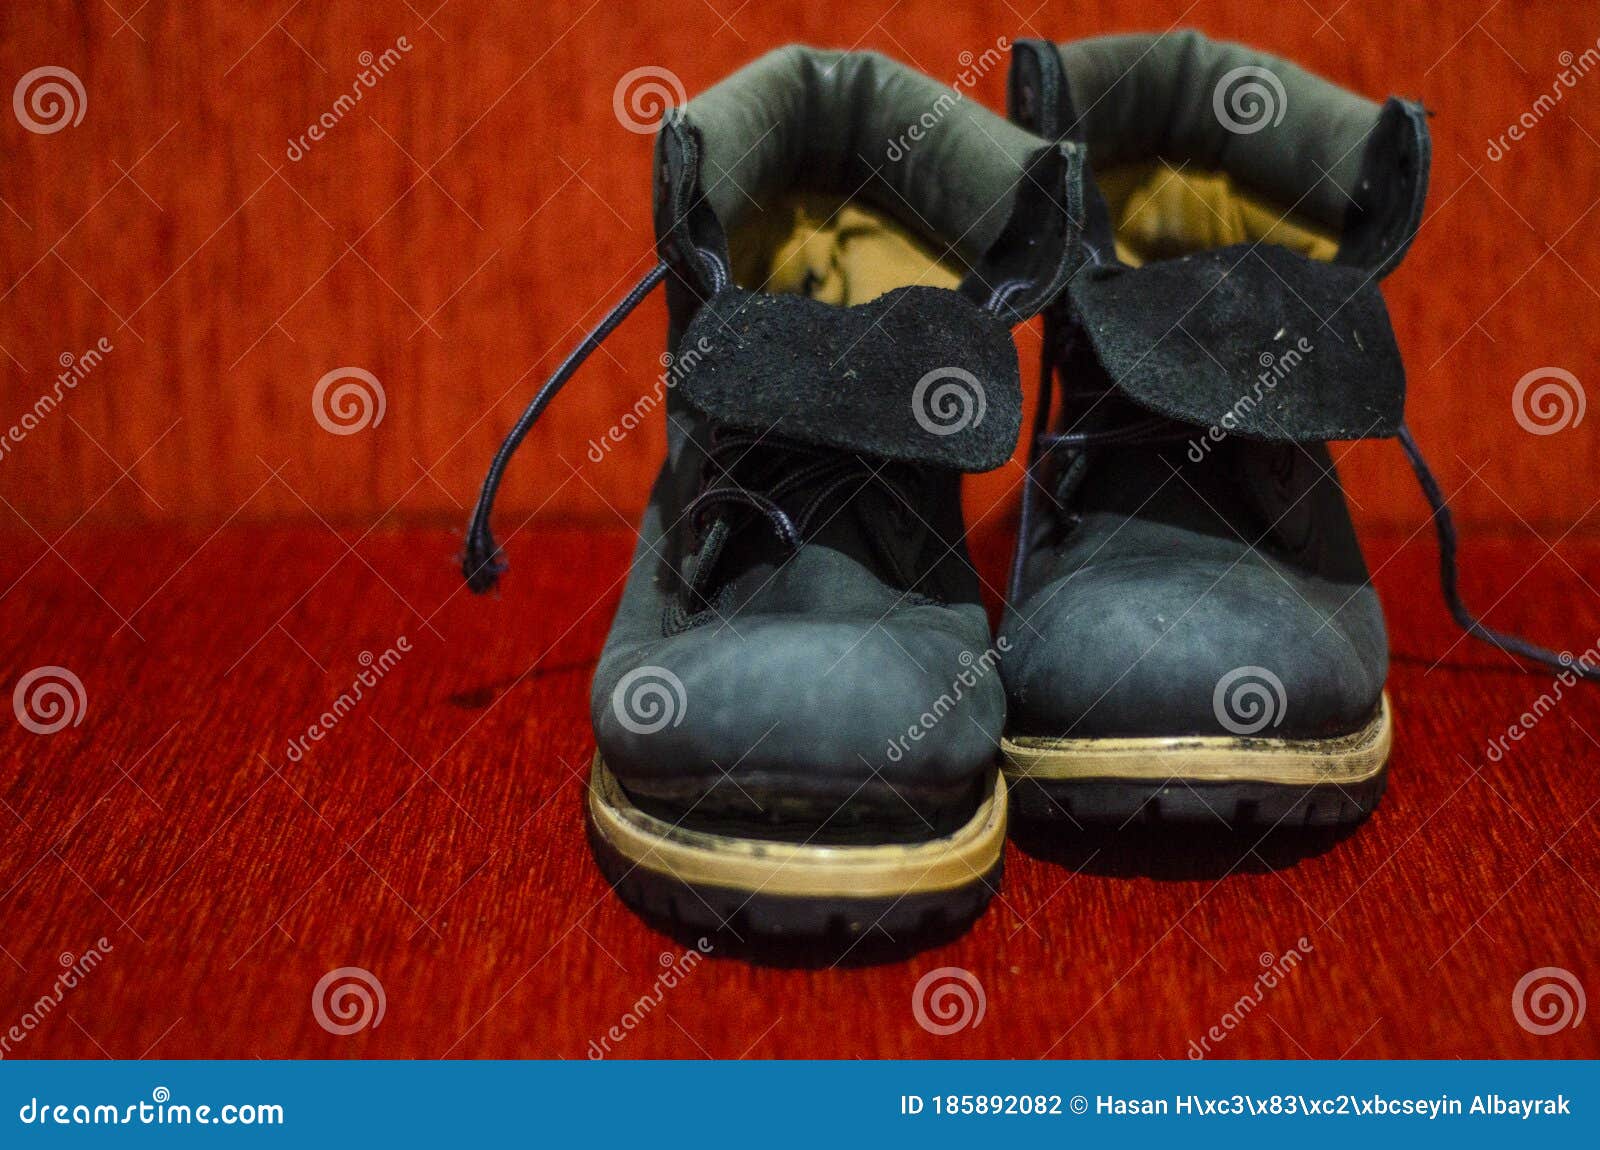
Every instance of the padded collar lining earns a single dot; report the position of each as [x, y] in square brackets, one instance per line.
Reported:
[853, 123]
[1310, 146]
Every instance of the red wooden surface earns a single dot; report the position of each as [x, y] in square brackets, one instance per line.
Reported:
[435, 837]
[484, 185]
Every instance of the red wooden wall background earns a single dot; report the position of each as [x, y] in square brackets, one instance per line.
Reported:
[458, 227]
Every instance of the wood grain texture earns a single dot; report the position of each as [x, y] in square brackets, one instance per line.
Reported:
[456, 230]
[435, 836]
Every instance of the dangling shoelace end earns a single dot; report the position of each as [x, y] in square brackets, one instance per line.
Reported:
[1449, 577]
[483, 563]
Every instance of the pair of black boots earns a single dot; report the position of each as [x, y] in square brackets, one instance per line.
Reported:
[804, 723]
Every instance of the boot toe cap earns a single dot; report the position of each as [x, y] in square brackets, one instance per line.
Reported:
[1154, 647]
[800, 714]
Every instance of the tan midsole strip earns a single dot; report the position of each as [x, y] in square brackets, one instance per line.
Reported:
[798, 870]
[1342, 759]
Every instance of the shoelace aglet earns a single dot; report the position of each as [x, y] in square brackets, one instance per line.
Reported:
[483, 563]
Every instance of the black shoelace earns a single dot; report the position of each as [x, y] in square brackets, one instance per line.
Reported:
[822, 473]
[788, 484]
[1155, 431]
[483, 564]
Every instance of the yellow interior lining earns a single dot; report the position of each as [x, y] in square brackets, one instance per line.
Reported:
[1159, 212]
[835, 250]
[844, 252]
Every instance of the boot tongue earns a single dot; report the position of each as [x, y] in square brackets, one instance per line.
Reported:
[918, 375]
[1256, 340]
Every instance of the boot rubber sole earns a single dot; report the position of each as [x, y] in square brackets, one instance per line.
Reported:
[1239, 780]
[717, 882]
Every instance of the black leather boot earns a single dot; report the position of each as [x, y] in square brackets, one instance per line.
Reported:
[1192, 634]
[798, 710]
